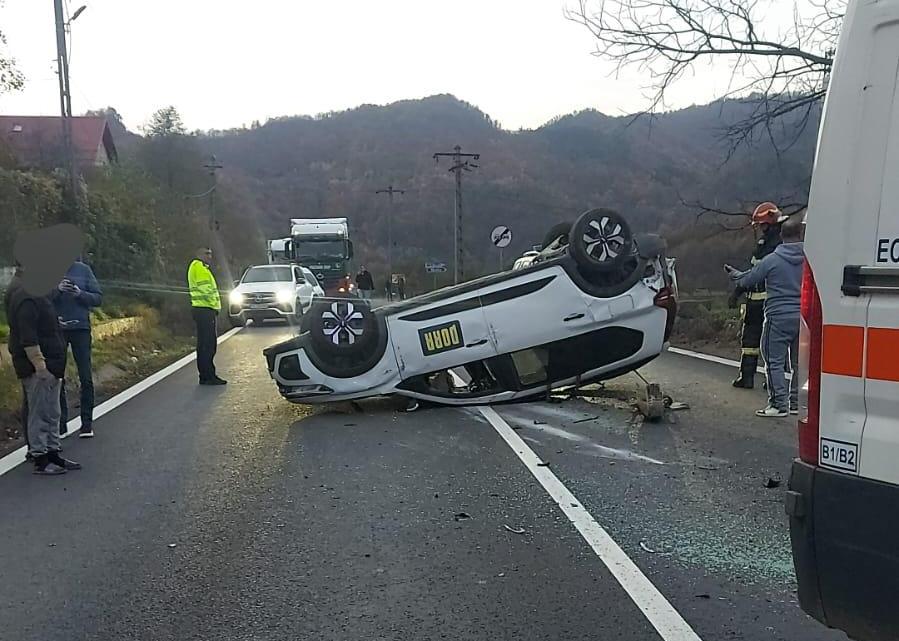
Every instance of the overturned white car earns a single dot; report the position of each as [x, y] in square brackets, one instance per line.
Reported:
[580, 311]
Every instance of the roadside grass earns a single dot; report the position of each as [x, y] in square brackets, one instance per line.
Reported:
[708, 325]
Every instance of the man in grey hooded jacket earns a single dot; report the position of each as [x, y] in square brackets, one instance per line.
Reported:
[781, 272]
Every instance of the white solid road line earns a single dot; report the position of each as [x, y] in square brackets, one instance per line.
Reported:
[655, 607]
[715, 359]
[17, 457]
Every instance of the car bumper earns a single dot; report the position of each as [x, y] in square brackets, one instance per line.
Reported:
[845, 552]
[281, 310]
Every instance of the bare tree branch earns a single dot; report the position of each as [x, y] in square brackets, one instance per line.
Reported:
[782, 74]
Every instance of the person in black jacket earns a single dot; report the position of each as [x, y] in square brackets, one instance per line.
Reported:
[39, 359]
[365, 283]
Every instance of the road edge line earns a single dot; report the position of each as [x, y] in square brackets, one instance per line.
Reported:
[17, 457]
[716, 359]
[659, 612]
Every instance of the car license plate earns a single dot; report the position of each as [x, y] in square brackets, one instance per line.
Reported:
[258, 306]
[441, 338]
[839, 455]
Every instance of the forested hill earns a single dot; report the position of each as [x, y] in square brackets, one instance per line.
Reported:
[332, 164]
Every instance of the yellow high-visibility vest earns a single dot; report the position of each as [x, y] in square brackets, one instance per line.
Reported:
[203, 290]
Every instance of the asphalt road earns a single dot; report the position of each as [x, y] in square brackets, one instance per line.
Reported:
[228, 514]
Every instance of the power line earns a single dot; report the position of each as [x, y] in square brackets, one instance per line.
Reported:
[390, 191]
[460, 164]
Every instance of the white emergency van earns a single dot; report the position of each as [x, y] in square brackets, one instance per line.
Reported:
[843, 499]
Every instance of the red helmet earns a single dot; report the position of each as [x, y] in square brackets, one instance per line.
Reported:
[766, 213]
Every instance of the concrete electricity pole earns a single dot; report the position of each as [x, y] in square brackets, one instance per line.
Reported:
[460, 164]
[65, 96]
[390, 191]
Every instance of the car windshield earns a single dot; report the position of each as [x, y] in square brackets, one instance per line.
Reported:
[320, 248]
[267, 275]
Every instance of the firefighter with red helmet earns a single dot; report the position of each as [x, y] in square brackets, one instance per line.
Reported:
[766, 220]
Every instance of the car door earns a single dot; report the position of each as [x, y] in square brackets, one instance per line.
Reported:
[534, 309]
[443, 334]
[304, 288]
[317, 291]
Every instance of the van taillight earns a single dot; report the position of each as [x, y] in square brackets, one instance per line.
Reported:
[811, 331]
[667, 300]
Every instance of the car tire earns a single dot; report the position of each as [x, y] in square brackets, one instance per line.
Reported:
[341, 327]
[600, 241]
[237, 321]
[556, 231]
[297, 318]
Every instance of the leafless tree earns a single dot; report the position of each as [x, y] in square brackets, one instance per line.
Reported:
[778, 73]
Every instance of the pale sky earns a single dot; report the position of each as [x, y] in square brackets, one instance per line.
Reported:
[225, 63]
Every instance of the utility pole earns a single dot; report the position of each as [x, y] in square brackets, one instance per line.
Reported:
[65, 99]
[460, 164]
[390, 191]
[214, 239]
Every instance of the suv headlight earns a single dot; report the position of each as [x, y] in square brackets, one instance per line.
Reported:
[285, 296]
[236, 298]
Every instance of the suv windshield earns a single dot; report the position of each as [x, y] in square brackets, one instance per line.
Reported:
[267, 275]
[319, 248]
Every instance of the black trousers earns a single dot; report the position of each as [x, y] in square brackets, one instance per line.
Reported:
[207, 342]
[751, 336]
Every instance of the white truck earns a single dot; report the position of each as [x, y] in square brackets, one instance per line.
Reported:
[322, 245]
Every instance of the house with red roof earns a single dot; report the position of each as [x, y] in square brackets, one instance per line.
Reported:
[37, 141]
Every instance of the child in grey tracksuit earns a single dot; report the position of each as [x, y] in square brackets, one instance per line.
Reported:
[781, 271]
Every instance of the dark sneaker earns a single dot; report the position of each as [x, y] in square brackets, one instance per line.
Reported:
[49, 469]
[86, 432]
[55, 459]
[217, 381]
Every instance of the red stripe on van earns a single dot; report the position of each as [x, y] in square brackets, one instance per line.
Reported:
[883, 354]
[843, 350]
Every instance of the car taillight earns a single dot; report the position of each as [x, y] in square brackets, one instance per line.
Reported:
[811, 331]
[667, 301]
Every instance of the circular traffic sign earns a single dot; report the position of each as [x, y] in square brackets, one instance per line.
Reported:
[501, 236]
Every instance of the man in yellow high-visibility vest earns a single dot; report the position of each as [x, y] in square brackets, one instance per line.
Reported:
[205, 305]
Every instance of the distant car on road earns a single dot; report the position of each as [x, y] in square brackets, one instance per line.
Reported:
[596, 308]
[267, 292]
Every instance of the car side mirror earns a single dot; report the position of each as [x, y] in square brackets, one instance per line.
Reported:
[236, 282]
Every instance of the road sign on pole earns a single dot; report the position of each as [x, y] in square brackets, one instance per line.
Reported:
[435, 267]
[501, 236]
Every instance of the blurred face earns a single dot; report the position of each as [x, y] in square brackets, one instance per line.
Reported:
[205, 255]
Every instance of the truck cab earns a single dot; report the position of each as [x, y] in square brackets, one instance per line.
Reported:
[323, 246]
[843, 498]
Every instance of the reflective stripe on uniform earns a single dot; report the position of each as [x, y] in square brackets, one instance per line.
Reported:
[758, 295]
[750, 351]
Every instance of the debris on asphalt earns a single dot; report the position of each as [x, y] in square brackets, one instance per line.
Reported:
[501, 574]
[461, 516]
[349, 425]
[585, 420]
[703, 596]
[172, 545]
[51, 545]
[646, 548]
[543, 464]
[678, 405]
[539, 422]
[772, 483]
[514, 530]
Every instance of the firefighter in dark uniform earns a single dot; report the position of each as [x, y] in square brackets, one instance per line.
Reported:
[766, 220]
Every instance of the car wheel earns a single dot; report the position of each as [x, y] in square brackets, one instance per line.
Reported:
[341, 327]
[237, 321]
[557, 232]
[600, 241]
[297, 317]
